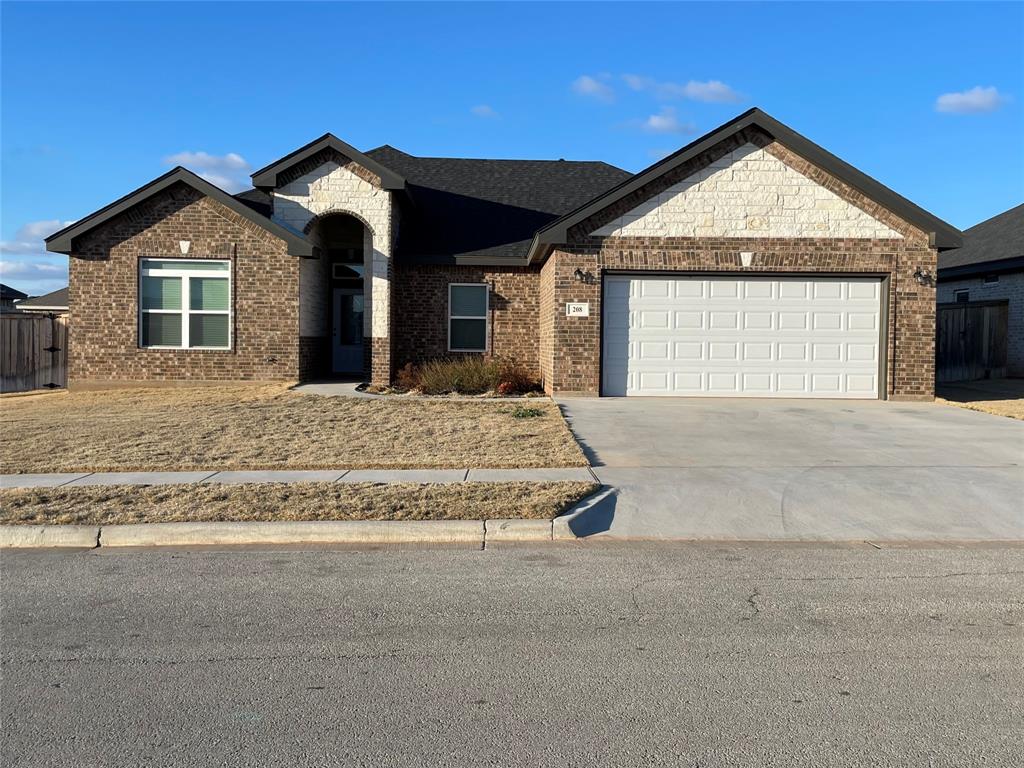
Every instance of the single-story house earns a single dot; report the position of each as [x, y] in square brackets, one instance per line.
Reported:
[9, 298]
[750, 263]
[987, 269]
[54, 302]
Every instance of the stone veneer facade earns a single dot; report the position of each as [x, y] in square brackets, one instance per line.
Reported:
[329, 183]
[104, 287]
[571, 346]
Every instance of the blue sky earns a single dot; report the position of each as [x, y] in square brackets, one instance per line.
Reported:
[98, 99]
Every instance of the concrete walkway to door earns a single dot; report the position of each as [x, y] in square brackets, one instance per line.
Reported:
[756, 469]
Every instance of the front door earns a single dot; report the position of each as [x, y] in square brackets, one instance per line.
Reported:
[347, 331]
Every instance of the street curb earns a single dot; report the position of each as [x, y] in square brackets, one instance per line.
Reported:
[307, 532]
[517, 530]
[562, 526]
[64, 536]
[347, 532]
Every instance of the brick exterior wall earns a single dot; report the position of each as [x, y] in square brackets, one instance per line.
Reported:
[104, 295]
[571, 360]
[546, 339]
[1009, 287]
[421, 295]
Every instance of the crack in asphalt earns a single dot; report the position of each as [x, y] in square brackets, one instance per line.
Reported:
[754, 607]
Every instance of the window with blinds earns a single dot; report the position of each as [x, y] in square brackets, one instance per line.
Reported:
[184, 304]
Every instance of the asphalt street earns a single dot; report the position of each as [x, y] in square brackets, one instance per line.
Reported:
[606, 654]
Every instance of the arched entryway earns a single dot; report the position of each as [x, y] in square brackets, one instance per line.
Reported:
[339, 295]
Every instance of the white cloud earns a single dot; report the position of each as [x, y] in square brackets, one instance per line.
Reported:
[23, 269]
[638, 82]
[32, 276]
[29, 239]
[594, 88]
[484, 110]
[710, 91]
[975, 101]
[230, 172]
[667, 121]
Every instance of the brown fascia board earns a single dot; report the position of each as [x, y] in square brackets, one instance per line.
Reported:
[266, 178]
[61, 241]
[941, 235]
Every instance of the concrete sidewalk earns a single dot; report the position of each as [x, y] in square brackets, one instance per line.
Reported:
[444, 476]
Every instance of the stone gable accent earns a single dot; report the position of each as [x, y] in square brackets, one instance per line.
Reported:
[104, 294]
[324, 156]
[336, 185]
[581, 233]
[748, 192]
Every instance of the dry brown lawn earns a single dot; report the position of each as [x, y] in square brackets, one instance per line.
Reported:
[1001, 397]
[271, 427]
[1013, 409]
[119, 504]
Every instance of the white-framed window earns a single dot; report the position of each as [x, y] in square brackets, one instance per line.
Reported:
[184, 304]
[467, 317]
[989, 281]
[961, 297]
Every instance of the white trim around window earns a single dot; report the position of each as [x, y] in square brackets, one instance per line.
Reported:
[170, 288]
[470, 319]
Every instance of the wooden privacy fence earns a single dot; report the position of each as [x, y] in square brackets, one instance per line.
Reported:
[33, 352]
[970, 341]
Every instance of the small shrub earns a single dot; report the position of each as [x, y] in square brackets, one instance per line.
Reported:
[522, 412]
[471, 375]
[407, 378]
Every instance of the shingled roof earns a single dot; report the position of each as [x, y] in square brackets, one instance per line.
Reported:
[474, 211]
[995, 244]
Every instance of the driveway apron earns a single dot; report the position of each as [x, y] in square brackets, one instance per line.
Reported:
[800, 470]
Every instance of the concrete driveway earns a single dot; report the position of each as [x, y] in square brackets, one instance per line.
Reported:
[804, 470]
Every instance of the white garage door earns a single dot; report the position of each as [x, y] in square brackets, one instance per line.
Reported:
[745, 337]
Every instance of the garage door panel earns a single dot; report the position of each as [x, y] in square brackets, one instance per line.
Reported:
[724, 289]
[689, 320]
[689, 289]
[757, 351]
[725, 320]
[758, 321]
[688, 350]
[758, 289]
[758, 337]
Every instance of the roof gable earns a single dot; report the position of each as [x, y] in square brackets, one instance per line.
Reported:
[55, 300]
[62, 241]
[941, 234]
[267, 177]
[747, 192]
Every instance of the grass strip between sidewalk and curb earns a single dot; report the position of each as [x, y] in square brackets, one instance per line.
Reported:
[270, 502]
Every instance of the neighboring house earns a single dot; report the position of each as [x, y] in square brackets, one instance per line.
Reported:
[990, 268]
[55, 302]
[9, 298]
[749, 263]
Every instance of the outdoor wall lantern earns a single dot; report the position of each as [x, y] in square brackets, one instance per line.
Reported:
[923, 277]
[582, 276]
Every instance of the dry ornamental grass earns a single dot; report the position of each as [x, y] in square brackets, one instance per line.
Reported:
[270, 427]
[120, 504]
